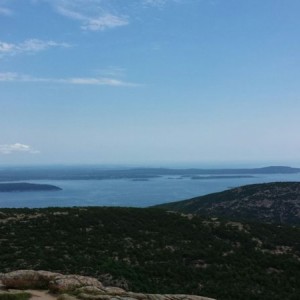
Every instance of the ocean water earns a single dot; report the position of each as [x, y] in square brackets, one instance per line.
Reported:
[126, 192]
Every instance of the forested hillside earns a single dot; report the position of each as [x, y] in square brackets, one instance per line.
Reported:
[276, 202]
[153, 251]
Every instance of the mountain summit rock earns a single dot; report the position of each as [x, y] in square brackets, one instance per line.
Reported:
[84, 287]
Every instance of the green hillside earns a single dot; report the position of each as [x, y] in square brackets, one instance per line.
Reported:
[149, 250]
[276, 202]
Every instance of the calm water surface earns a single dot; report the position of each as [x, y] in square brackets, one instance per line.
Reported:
[125, 192]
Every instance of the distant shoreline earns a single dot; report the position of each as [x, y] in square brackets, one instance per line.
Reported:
[136, 174]
[221, 177]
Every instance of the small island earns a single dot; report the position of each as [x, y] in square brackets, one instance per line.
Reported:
[27, 187]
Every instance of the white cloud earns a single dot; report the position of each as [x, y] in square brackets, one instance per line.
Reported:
[15, 77]
[92, 14]
[5, 11]
[6, 47]
[71, 14]
[34, 45]
[28, 46]
[17, 147]
[9, 76]
[100, 81]
[158, 3]
[111, 71]
[100, 15]
[105, 22]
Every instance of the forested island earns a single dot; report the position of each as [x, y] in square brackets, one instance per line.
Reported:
[27, 187]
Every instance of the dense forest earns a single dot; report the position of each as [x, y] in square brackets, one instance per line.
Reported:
[275, 202]
[153, 251]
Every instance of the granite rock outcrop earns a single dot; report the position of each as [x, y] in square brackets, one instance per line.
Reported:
[79, 287]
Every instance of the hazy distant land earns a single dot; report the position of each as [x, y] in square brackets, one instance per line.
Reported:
[98, 173]
[27, 187]
[220, 177]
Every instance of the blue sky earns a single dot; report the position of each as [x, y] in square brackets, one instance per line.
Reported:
[150, 82]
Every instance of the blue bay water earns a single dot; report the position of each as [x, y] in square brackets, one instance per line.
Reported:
[126, 192]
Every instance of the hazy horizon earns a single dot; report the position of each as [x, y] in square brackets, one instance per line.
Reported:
[170, 165]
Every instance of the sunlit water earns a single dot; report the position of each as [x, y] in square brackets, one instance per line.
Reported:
[125, 192]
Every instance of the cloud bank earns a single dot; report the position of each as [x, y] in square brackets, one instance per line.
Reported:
[17, 148]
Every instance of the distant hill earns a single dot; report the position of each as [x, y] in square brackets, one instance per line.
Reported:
[27, 187]
[277, 202]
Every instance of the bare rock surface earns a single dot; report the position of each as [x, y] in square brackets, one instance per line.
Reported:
[81, 287]
[108, 280]
[24, 279]
[66, 283]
